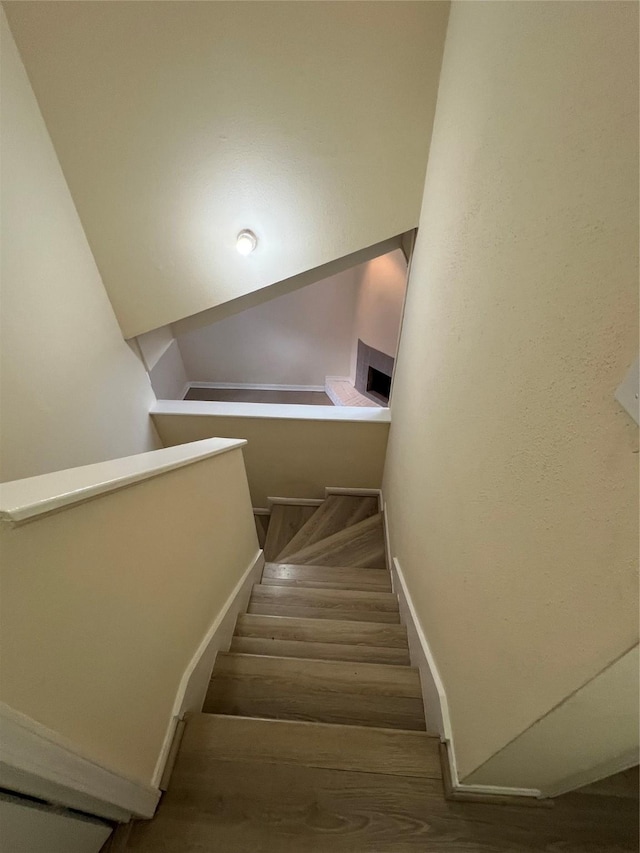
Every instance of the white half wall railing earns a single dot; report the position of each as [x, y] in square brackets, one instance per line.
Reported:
[292, 450]
[120, 582]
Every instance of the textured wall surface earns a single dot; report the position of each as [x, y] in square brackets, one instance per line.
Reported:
[512, 475]
[72, 391]
[178, 124]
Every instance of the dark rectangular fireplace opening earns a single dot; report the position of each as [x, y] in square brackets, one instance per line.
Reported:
[378, 384]
[374, 370]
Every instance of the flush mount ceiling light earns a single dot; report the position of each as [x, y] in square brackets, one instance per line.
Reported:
[246, 242]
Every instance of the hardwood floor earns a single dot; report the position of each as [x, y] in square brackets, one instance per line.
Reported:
[370, 750]
[376, 605]
[331, 577]
[247, 806]
[361, 545]
[338, 512]
[284, 522]
[313, 734]
[322, 651]
[325, 691]
[250, 395]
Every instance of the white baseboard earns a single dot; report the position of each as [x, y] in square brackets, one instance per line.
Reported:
[261, 510]
[436, 706]
[252, 386]
[195, 681]
[39, 762]
[294, 501]
[361, 493]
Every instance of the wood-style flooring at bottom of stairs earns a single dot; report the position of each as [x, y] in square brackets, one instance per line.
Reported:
[266, 786]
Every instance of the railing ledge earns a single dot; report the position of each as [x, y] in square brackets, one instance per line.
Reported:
[23, 500]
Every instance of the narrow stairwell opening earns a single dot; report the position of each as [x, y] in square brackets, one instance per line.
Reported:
[304, 347]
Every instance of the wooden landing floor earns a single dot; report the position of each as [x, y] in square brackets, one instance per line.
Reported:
[255, 807]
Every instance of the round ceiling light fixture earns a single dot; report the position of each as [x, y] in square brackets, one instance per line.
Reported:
[246, 242]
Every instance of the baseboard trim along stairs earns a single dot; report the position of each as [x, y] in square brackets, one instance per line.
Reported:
[437, 707]
[195, 681]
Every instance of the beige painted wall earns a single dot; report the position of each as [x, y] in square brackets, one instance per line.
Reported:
[104, 605]
[596, 724]
[512, 476]
[383, 284]
[71, 391]
[306, 122]
[289, 458]
[297, 339]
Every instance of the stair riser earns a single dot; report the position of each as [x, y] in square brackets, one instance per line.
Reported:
[317, 676]
[211, 737]
[320, 651]
[350, 599]
[335, 613]
[300, 584]
[322, 631]
[249, 699]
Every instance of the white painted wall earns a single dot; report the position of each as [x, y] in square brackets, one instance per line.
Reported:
[162, 358]
[306, 122]
[154, 344]
[72, 391]
[168, 376]
[512, 472]
[297, 339]
[383, 284]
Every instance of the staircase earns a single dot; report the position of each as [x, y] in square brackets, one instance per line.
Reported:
[312, 735]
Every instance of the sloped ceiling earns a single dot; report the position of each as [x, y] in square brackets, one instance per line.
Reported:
[178, 124]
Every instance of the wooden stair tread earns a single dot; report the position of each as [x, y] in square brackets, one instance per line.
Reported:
[259, 807]
[322, 651]
[336, 577]
[317, 690]
[338, 512]
[322, 630]
[353, 599]
[324, 603]
[284, 522]
[321, 676]
[361, 545]
[360, 748]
